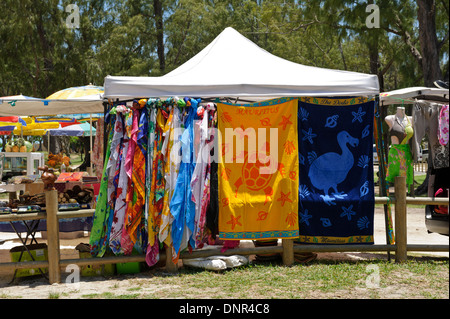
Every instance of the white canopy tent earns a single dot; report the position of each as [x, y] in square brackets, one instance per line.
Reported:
[38, 107]
[408, 95]
[233, 66]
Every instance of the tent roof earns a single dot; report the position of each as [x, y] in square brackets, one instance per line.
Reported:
[82, 129]
[408, 95]
[233, 66]
[36, 107]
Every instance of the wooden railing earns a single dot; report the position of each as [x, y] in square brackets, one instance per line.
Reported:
[287, 249]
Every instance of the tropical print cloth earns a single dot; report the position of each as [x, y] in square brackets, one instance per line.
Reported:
[134, 191]
[443, 125]
[400, 163]
[97, 151]
[182, 206]
[200, 182]
[99, 238]
[336, 191]
[120, 204]
[156, 194]
[258, 182]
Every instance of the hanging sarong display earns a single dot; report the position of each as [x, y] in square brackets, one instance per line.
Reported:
[336, 191]
[258, 170]
[282, 168]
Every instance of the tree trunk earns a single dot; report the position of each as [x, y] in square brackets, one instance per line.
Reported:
[87, 156]
[157, 6]
[374, 61]
[47, 47]
[429, 46]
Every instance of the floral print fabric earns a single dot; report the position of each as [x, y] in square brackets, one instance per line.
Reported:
[400, 163]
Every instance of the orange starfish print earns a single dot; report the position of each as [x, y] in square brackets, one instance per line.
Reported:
[234, 221]
[285, 121]
[284, 198]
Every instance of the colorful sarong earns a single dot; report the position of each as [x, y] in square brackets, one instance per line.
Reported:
[258, 171]
[136, 190]
[157, 182]
[171, 167]
[120, 206]
[336, 192]
[181, 206]
[400, 163]
[99, 238]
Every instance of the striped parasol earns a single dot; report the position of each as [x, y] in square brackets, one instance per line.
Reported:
[80, 92]
[76, 92]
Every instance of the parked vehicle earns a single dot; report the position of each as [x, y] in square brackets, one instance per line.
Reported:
[424, 154]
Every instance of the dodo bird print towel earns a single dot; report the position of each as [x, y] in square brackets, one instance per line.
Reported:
[336, 192]
[258, 170]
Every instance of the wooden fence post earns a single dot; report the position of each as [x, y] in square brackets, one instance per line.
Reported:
[51, 203]
[288, 252]
[170, 265]
[400, 219]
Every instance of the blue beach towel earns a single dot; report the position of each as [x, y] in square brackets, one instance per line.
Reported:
[336, 191]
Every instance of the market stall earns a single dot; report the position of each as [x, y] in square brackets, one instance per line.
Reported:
[429, 124]
[44, 114]
[178, 196]
[234, 84]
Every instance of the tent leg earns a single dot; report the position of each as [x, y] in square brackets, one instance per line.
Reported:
[51, 203]
[400, 219]
[288, 252]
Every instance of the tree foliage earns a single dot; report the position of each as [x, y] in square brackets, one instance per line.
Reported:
[39, 54]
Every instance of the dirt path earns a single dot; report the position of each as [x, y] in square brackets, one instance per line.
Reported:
[38, 287]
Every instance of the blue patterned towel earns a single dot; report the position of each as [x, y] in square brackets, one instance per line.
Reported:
[336, 192]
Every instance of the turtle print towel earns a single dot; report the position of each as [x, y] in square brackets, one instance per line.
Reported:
[336, 191]
[258, 170]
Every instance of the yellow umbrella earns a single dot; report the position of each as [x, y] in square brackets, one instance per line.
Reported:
[29, 123]
[33, 132]
[77, 91]
[33, 125]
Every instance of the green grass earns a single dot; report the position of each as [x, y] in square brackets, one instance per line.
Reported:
[110, 295]
[418, 278]
[53, 295]
[75, 160]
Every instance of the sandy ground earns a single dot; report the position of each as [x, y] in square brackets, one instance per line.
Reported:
[38, 287]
